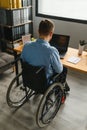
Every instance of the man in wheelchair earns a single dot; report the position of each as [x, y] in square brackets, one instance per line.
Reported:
[43, 73]
[41, 53]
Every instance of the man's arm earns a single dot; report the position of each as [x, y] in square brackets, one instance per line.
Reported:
[55, 61]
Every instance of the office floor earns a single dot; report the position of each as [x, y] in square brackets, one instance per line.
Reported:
[71, 116]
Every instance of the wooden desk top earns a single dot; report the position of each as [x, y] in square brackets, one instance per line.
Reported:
[80, 66]
[19, 48]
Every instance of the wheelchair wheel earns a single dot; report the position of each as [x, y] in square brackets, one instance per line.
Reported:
[16, 94]
[49, 104]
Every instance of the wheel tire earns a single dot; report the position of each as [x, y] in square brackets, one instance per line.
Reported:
[46, 98]
[16, 96]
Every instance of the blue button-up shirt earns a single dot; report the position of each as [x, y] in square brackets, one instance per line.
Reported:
[40, 53]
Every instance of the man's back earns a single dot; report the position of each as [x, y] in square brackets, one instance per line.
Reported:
[40, 53]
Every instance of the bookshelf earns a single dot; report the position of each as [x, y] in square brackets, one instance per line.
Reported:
[15, 21]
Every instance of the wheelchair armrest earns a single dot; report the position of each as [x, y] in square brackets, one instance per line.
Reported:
[54, 77]
[39, 70]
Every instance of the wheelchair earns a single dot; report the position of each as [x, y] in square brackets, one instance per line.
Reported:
[32, 80]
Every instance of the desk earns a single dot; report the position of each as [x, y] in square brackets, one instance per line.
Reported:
[80, 66]
[18, 49]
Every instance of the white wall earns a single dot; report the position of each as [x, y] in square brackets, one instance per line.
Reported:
[76, 31]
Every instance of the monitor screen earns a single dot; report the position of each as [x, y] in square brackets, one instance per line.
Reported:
[59, 41]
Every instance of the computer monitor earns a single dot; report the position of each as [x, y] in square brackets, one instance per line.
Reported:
[61, 42]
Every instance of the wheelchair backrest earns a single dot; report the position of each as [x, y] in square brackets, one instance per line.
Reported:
[34, 77]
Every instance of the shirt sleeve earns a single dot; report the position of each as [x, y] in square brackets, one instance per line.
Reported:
[23, 53]
[55, 61]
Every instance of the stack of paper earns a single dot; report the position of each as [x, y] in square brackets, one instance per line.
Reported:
[74, 59]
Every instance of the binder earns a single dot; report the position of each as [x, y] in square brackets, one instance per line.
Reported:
[13, 17]
[24, 3]
[30, 13]
[3, 16]
[26, 27]
[3, 45]
[26, 15]
[1, 32]
[19, 36]
[17, 33]
[0, 3]
[23, 30]
[14, 33]
[9, 5]
[6, 4]
[9, 17]
[14, 4]
[18, 16]
[22, 16]
[19, 3]
[28, 2]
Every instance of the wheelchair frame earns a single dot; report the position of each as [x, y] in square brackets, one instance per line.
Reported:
[18, 94]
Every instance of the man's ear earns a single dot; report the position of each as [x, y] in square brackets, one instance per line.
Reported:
[51, 34]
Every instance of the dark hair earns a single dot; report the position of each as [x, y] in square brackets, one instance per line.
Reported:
[45, 27]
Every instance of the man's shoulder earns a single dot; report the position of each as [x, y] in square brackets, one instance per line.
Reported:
[53, 49]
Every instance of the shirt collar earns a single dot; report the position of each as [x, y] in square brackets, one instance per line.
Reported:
[42, 41]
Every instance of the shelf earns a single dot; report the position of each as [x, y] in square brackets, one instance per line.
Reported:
[9, 26]
[14, 23]
[16, 8]
[18, 40]
[14, 41]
